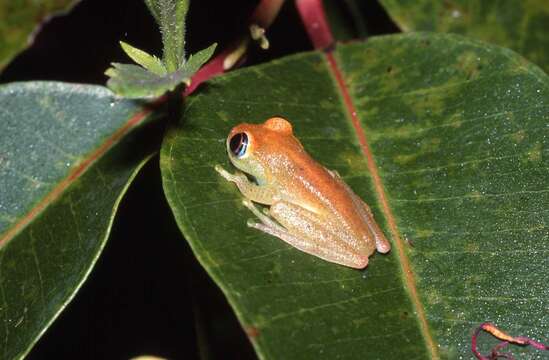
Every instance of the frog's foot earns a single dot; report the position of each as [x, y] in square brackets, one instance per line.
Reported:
[262, 216]
[334, 173]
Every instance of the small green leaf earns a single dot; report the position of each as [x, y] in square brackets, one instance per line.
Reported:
[133, 81]
[457, 133]
[198, 59]
[149, 62]
[67, 155]
[154, 9]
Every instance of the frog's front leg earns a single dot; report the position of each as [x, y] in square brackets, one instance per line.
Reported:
[263, 217]
[261, 194]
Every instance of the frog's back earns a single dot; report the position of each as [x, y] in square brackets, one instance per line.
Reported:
[314, 187]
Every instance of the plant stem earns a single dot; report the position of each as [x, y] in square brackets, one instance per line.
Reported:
[313, 17]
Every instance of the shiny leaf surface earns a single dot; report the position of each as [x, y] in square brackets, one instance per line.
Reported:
[67, 155]
[517, 24]
[457, 178]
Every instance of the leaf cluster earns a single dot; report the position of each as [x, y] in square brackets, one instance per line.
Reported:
[154, 76]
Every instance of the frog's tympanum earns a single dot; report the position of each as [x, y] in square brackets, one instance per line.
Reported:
[311, 208]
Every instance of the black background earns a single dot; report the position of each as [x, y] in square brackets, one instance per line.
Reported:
[147, 293]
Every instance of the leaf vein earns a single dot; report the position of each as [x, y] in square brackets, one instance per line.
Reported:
[324, 306]
[472, 196]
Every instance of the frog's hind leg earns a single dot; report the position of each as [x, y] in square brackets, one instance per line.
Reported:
[305, 231]
[382, 244]
[269, 226]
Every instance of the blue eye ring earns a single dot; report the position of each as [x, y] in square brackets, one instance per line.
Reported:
[239, 144]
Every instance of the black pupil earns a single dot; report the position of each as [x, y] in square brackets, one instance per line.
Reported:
[238, 144]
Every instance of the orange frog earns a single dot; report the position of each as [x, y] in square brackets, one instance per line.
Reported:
[315, 211]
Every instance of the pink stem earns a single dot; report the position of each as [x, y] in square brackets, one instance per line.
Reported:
[532, 343]
[507, 339]
[312, 15]
[212, 68]
[474, 347]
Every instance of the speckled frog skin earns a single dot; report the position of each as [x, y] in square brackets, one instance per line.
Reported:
[311, 208]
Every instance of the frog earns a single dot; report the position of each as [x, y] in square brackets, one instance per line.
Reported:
[304, 204]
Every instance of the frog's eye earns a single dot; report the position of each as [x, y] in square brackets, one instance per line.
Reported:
[238, 144]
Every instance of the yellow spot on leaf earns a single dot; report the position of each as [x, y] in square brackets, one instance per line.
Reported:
[456, 120]
[535, 153]
[433, 297]
[223, 115]
[424, 233]
[476, 195]
[357, 162]
[469, 63]
[518, 136]
[471, 247]
[404, 159]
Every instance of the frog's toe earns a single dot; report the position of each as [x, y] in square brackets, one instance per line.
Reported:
[359, 263]
[220, 169]
[251, 206]
[252, 223]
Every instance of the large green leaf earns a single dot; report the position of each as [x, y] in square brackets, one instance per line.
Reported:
[457, 130]
[18, 20]
[67, 154]
[518, 24]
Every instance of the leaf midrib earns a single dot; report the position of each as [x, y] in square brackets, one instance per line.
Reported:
[408, 275]
[74, 175]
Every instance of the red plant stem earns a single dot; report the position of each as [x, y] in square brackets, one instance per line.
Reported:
[506, 339]
[263, 15]
[212, 68]
[314, 19]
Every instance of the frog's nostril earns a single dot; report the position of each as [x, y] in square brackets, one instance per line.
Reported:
[238, 144]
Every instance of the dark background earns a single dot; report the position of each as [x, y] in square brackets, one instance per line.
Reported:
[147, 293]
